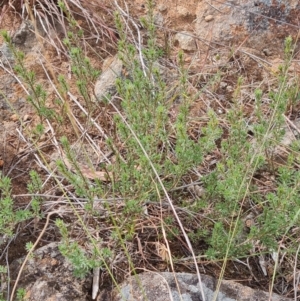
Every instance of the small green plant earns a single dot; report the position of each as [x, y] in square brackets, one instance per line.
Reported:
[37, 94]
[21, 293]
[9, 216]
[35, 187]
[145, 112]
[3, 278]
[81, 66]
[81, 261]
[146, 106]
[230, 184]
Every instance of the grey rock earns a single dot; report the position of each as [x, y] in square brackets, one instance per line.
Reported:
[209, 18]
[106, 82]
[223, 85]
[291, 133]
[112, 69]
[263, 22]
[185, 41]
[267, 52]
[182, 11]
[158, 19]
[162, 7]
[24, 34]
[163, 287]
[6, 56]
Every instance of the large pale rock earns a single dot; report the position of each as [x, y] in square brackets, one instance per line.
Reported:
[113, 69]
[152, 286]
[185, 41]
[106, 83]
[254, 24]
[291, 133]
[24, 35]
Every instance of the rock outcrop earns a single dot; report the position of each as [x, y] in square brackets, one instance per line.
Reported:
[48, 276]
[261, 24]
[153, 286]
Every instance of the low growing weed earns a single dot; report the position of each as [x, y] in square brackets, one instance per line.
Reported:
[232, 184]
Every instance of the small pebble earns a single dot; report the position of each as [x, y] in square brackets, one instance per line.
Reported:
[187, 59]
[158, 19]
[229, 89]
[182, 11]
[199, 191]
[14, 117]
[162, 7]
[196, 189]
[43, 138]
[26, 117]
[223, 85]
[208, 18]
[267, 52]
